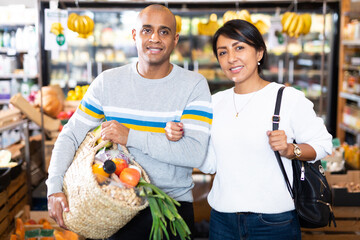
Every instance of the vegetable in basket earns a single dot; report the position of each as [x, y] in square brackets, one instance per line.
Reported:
[163, 207]
[163, 211]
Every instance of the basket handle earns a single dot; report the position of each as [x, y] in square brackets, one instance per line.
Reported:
[114, 146]
[101, 145]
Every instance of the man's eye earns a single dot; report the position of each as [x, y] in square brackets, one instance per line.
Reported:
[239, 47]
[164, 32]
[146, 30]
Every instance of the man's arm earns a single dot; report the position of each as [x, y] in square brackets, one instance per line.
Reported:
[191, 149]
[87, 116]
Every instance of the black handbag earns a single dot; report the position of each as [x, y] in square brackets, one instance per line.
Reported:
[311, 192]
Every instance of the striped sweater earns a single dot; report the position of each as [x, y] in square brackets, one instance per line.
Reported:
[144, 106]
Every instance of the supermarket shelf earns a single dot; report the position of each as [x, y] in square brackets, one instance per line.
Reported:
[4, 101]
[350, 96]
[351, 68]
[11, 51]
[302, 72]
[351, 42]
[349, 129]
[14, 75]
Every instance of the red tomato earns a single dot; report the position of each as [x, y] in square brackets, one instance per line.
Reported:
[62, 115]
[70, 113]
[130, 176]
[120, 165]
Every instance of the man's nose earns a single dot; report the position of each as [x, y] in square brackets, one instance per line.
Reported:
[155, 37]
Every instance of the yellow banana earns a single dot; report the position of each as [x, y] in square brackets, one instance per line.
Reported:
[283, 19]
[307, 23]
[229, 15]
[244, 15]
[293, 25]
[70, 22]
[261, 26]
[288, 21]
[299, 27]
[178, 23]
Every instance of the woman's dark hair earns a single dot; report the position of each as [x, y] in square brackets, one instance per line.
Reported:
[242, 31]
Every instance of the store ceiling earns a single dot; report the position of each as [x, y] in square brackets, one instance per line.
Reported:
[32, 3]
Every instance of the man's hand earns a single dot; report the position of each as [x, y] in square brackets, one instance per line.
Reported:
[57, 204]
[278, 142]
[174, 131]
[114, 132]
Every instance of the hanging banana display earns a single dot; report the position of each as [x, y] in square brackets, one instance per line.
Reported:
[83, 25]
[209, 28]
[178, 23]
[296, 24]
[245, 15]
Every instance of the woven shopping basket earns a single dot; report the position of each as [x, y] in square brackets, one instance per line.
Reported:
[93, 213]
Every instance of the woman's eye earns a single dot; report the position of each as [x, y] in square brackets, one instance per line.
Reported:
[239, 47]
[221, 53]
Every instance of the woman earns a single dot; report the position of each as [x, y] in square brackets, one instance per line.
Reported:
[249, 197]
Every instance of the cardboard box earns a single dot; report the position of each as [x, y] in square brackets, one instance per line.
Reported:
[50, 124]
[341, 194]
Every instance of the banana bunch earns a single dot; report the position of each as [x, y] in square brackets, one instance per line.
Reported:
[209, 28]
[83, 25]
[231, 15]
[178, 23]
[296, 24]
[57, 28]
[245, 15]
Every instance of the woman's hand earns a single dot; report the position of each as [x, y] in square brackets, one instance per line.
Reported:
[174, 131]
[278, 142]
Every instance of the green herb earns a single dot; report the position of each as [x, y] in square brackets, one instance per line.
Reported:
[164, 212]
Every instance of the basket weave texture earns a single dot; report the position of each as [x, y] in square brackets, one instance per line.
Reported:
[93, 213]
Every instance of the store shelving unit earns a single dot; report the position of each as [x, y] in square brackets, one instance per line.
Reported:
[348, 97]
[301, 68]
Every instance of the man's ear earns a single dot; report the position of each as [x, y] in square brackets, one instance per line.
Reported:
[133, 32]
[176, 38]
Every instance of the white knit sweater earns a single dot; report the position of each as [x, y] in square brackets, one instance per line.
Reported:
[248, 178]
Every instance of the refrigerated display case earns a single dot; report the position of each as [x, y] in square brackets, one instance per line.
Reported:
[308, 63]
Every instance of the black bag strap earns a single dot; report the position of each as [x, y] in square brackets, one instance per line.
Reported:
[276, 120]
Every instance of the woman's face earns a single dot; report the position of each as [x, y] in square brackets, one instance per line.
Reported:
[238, 60]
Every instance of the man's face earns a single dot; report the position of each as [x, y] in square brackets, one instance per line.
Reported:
[155, 36]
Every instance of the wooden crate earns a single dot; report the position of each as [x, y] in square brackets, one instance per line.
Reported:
[348, 226]
[4, 211]
[17, 193]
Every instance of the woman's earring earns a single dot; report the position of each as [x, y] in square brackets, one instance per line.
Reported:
[258, 63]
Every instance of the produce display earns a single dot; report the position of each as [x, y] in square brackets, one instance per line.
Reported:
[52, 103]
[40, 230]
[209, 28]
[122, 180]
[83, 25]
[77, 94]
[296, 24]
[245, 15]
[5, 159]
[351, 154]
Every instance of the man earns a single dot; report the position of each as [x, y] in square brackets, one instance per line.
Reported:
[137, 100]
